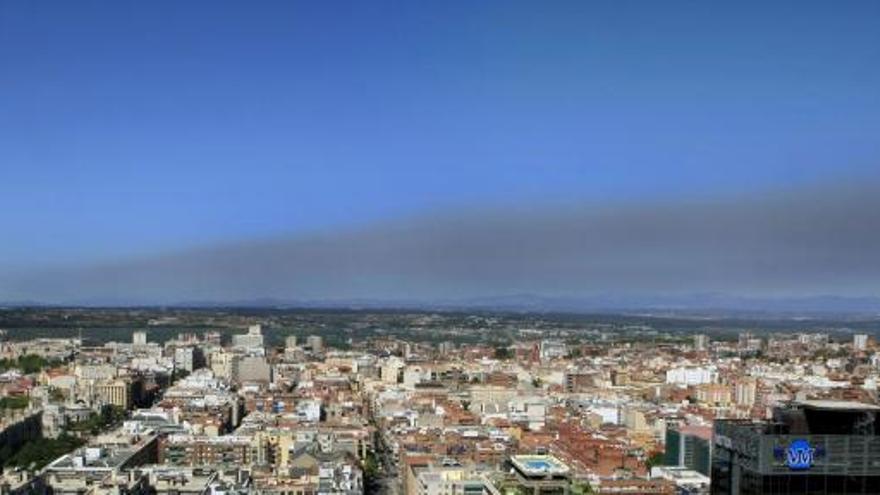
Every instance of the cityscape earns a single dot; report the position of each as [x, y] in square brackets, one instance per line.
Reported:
[450, 247]
[283, 401]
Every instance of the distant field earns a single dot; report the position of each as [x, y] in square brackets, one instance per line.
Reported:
[340, 327]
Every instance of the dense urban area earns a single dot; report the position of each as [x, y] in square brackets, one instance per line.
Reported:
[305, 402]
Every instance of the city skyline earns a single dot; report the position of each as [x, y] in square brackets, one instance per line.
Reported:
[424, 248]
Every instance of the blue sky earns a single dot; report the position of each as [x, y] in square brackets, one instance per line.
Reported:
[131, 129]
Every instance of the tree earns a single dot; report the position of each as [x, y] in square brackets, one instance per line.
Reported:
[30, 363]
[38, 453]
[656, 459]
[14, 402]
[371, 473]
[581, 487]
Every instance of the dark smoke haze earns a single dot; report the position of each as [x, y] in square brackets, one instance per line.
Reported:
[790, 244]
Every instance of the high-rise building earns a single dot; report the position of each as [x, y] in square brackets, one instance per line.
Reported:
[252, 340]
[252, 369]
[715, 394]
[860, 341]
[746, 392]
[315, 343]
[115, 392]
[184, 359]
[748, 343]
[139, 338]
[290, 342]
[553, 349]
[223, 364]
[689, 446]
[701, 342]
[691, 375]
[809, 448]
[212, 338]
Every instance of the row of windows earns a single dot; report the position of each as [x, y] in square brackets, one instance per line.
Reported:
[725, 482]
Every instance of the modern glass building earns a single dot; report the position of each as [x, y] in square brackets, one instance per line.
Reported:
[810, 447]
[690, 447]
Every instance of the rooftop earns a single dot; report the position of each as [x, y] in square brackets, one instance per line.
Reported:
[838, 405]
[537, 465]
[679, 474]
[92, 458]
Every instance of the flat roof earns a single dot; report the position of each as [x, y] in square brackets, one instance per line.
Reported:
[679, 474]
[838, 405]
[539, 464]
[108, 460]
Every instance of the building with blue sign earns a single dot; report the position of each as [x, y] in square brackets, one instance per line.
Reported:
[810, 447]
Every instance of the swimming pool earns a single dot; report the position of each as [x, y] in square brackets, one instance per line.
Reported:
[539, 465]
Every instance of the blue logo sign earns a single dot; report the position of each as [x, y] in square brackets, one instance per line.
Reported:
[799, 455]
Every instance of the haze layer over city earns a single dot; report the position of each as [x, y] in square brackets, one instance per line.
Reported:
[335, 248]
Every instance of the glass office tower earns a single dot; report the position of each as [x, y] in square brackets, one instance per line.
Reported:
[810, 447]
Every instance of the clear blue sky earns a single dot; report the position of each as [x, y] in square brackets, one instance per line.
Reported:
[131, 128]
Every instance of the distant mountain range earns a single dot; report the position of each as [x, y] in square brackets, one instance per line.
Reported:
[693, 305]
[709, 304]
